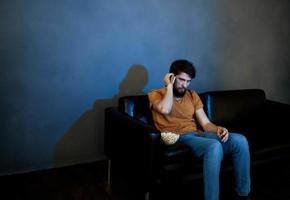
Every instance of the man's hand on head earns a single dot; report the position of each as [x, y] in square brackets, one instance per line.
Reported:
[169, 79]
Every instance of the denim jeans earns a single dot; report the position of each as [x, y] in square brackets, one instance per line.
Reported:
[211, 149]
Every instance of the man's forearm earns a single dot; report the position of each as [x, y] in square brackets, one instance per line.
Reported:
[165, 105]
[210, 127]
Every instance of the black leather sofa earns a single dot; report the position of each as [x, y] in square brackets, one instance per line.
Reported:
[137, 155]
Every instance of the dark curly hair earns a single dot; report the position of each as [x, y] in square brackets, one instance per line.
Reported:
[179, 66]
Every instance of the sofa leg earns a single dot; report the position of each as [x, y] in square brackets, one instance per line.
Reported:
[109, 173]
[108, 184]
[147, 195]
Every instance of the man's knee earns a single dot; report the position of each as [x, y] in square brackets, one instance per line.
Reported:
[240, 141]
[215, 148]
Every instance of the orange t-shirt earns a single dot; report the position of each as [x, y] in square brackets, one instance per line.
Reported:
[181, 118]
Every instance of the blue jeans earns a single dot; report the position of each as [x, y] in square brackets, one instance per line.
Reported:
[209, 147]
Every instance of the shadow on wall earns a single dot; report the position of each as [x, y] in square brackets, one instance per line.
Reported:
[84, 141]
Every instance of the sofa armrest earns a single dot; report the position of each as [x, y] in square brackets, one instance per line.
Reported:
[132, 143]
[275, 107]
[277, 114]
[121, 129]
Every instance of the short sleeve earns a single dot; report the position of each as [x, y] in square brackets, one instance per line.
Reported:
[154, 95]
[196, 100]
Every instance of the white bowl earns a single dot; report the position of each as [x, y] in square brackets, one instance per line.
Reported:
[169, 138]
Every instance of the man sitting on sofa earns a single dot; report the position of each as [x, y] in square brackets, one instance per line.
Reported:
[177, 109]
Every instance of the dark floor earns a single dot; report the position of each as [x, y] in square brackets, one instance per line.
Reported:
[87, 182]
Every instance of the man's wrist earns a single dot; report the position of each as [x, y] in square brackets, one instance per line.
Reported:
[169, 86]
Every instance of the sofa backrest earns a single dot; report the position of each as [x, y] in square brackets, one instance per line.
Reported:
[233, 106]
[137, 107]
[228, 107]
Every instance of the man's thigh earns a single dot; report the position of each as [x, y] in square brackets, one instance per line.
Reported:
[199, 142]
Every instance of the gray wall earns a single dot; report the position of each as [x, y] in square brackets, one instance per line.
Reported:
[63, 62]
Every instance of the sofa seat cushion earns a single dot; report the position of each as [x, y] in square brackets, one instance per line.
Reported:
[177, 152]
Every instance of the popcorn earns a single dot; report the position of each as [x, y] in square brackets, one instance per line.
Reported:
[169, 138]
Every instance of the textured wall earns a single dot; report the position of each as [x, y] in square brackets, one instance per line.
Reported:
[63, 62]
[254, 46]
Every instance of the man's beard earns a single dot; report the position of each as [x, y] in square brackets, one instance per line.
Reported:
[177, 93]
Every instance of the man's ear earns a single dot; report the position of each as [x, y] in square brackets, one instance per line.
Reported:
[172, 77]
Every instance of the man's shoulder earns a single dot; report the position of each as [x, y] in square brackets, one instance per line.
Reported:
[193, 93]
[159, 90]
[154, 90]
[156, 94]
